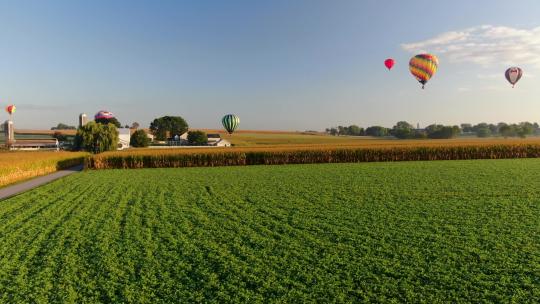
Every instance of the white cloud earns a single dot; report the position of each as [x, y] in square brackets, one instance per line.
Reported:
[490, 76]
[484, 45]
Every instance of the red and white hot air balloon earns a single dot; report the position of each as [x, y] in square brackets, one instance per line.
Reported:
[513, 75]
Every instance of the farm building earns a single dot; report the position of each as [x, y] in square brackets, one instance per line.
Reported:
[215, 140]
[35, 144]
[124, 137]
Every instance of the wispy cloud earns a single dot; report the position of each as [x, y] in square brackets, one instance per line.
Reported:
[484, 45]
[490, 76]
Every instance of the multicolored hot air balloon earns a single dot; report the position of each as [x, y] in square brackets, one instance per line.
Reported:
[11, 109]
[513, 75]
[423, 67]
[104, 115]
[389, 63]
[230, 122]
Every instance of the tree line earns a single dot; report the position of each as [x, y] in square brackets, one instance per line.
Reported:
[405, 130]
[102, 135]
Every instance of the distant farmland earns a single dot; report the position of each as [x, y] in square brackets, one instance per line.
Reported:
[432, 232]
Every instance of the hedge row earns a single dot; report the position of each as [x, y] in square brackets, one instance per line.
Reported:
[242, 158]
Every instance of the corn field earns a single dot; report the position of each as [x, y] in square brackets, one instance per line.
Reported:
[279, 156]
[19, 166]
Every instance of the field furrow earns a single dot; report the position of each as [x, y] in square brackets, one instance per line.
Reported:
[448, 231]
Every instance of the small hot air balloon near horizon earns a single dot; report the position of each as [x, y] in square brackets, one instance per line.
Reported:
[230, 122]
[423, 67]
[513, 75]
[11, 109]
[389, 63]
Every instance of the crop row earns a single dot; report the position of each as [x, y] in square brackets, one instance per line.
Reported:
[242, 157]
[409, 232]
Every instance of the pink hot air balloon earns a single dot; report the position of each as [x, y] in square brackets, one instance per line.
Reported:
[103, 115]
[389, 63]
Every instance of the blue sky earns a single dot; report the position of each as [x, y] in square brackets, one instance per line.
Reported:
[289, 65]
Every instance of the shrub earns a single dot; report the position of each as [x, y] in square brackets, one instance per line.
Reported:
[197, 138]
[139, 139]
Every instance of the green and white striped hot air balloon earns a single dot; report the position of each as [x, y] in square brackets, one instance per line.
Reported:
[230, 122]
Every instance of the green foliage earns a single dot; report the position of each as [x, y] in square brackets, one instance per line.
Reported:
[111, 120]
[197, 138]
[403, 130]
[467, 128]
[483, 132]
[346, 233]
[62, 126]
[139, 139]
[441, 132]
[352, 130]
[168, 126]
[96, 137]
[377, 131]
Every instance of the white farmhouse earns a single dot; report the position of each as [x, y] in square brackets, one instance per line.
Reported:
[216, 141]
[124, 136]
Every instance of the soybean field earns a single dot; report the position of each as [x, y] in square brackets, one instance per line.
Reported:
[441, 231]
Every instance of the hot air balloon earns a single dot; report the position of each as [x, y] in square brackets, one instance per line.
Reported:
[389, 63]
[11, 109]
[513, 75]
[230, 122]
[423, 67]
[103, 115]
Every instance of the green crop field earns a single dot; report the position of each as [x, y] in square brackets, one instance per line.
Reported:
[442, 231]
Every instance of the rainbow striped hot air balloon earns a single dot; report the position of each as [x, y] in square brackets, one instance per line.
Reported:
[423, 67]
[230, 122]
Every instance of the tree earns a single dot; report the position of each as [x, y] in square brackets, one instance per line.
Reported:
[524, 129]
[62, 126]
[168, 126]
[442, 132]
[197, 138]
[493, 128]
[506, 130]
[111, 120]
[139, 139]
[483, 132]
[135, 125]
[355, 130]
[403, 130]
[467, 128]
[96, 137]
[377, 131]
